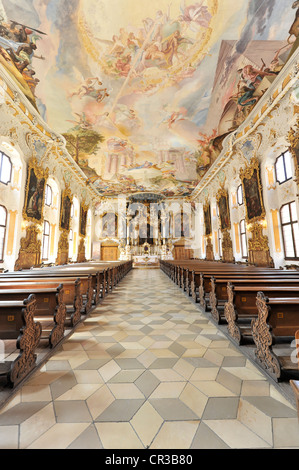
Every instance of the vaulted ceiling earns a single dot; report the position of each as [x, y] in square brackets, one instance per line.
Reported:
[145, 91]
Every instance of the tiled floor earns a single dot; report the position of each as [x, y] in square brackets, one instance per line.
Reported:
[148, 370]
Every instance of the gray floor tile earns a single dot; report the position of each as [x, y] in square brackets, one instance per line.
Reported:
[205, 438]
[221, 408]
[89, 439]
[173, 409]
[73, 411]
[147, 383]
[120, 410]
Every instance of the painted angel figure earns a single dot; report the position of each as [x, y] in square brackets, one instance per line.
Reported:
[195, 16]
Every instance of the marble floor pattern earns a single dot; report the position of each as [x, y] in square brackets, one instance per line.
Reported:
[148, 370]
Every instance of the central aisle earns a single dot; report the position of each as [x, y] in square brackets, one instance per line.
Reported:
[148, 369]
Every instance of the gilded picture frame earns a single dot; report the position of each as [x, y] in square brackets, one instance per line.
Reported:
[83, 219]
[35, 192]
[207, 219]
[223, 208]
[252, 190]
[65, 210]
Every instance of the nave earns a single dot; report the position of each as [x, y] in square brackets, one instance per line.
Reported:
[148, 369]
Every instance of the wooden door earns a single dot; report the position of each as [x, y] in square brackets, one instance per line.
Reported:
[109, 253]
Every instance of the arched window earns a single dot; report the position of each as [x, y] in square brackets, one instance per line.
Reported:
[290, 230]
[46, 239]
[48, 195]
[283, 167]
[5, 168]
[240, 195]
[243, 239]
[3, 221]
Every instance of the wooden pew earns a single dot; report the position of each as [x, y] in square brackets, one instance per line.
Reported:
[50, 310]
[273, 332]
[241, 307]
[218, 292]
[73, 297]
[28, 339]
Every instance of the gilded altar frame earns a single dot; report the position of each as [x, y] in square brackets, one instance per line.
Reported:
[35, 192]
[253, 182]
[65, 209]
[207, 219]
[83, 219]
[223, 207]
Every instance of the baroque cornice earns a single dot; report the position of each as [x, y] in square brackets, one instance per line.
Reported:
[55, 143]
[284, 82]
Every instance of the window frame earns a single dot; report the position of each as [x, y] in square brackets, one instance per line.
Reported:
[4, 236]
[48, 190]
[241, 239]
[240, 203]
[220, 243]
[2, 154]
[292, 222]
[44, 237]
[282, 155]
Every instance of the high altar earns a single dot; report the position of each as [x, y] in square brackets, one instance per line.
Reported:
[145, 232]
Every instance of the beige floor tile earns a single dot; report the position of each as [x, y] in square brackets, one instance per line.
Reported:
[88, 377]
[9, 437]
[109, 370]
[35, 426]
[255, 420]
[184, 368]
[194, 399]
[60, 436]
[236, 435]
[286, 432]
[198, 352]
[146, 423]
[204, 373]
[167, 375]
[245, 373]
[168, 390]
[80, 392]
[118, 436]
[212, 389]
[125, 391]
[147, 358]
[251, 388]
[175, 435]
[99, 401]
[36, 393]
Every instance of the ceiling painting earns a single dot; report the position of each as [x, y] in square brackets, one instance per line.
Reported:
[145, 92]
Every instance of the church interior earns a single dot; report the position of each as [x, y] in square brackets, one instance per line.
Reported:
[149, 232]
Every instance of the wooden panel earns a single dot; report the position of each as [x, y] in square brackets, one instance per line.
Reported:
[109, 253]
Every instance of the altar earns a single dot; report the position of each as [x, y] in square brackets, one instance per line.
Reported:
[146, 261]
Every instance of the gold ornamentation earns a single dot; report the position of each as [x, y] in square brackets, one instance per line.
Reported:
[258, 241]
[65, 197]
[30, 250]
[248, 173]
[41, 175]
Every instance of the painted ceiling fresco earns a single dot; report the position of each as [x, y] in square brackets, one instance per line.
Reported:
[145, 92]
